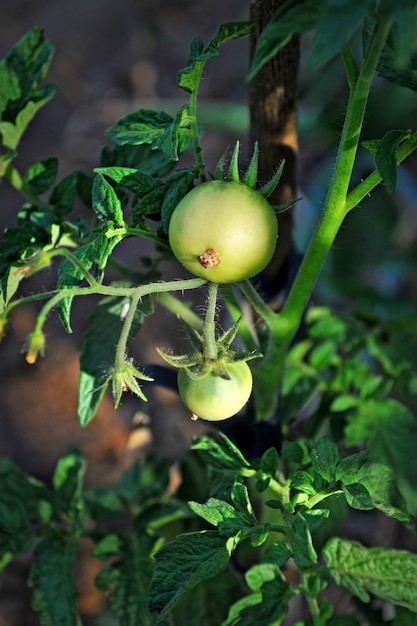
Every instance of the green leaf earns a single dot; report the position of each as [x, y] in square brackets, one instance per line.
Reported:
[398, 60]
[105, 202]
[40, 176]
[183, 563]
[231, 520]
[51, 577]
[338, 22]
[209, 601]
[21, 72]
[97, 356]
[12, 133]
[379, 481]
[324, 458]
[388, 574]
[270, 462]
[189, 77]
[63, 195]
[385, 157]
[156, 128]
[9, 284]
[357, 497]
[389, 431]
[95, 251]
[126, 580]
[404, 617]
[294, 16]
[268, 604]
[220, 453]
[143, 482]
[303, 551]
[68, 481]
[13, 516]
[141, 183]
[344, 403]
[176, 187]
[213, 511]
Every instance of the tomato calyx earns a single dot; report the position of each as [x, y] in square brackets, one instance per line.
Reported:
[198, 365]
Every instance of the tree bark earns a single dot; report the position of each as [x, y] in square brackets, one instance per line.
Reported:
[273, 98]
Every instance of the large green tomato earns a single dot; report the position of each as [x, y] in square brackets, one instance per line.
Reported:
[223, 231]
[214, 398]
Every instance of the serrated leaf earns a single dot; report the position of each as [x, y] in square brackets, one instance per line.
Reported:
[268, 604]
[189, 77]
[213, 511]
[385, 156]
[294, 16]
[324, 457]
[183, 563]
[220, 453]
[68, 481]
[95, 252]
[388, 574]
[270, 462]
[357, 496]
[303, 550]
[388, 430]
[51, 577]
[209, 601]
[338, 22]
[21, 72]
[12, 133]
[63, 194]
[379, 481]
[177, 186]
[105, 202]
[144, 482]
[126, 580]
[141, 183]
[41, 175]
[97, 356]
[397, 62]
[156, 128]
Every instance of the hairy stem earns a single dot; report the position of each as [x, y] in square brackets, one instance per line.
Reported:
[140, 292]
[284, 327]
[124, 335]
[209, 331]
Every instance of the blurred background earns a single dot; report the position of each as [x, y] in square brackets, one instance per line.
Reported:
[112, 58]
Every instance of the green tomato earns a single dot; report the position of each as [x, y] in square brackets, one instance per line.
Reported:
[223, 231]
[214, 398]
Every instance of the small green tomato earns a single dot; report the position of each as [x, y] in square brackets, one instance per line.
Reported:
[214, 398]
[223, 231]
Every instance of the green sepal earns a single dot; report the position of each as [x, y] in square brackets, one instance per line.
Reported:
[227, 338]
[251, 176]
[280, 208]
[181, 360]
[269, 187]
[219, 171]
[233, 172]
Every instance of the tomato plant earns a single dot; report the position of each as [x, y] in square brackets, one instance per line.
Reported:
[337, 390]
[223, 231]
[213, 397]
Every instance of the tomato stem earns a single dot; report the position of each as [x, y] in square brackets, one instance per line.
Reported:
[285, 325]
[110, 290]
[209, 330]
[192, 111]
[121, 348]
